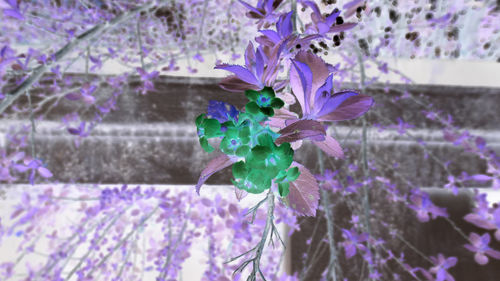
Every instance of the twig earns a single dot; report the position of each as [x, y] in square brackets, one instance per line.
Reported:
[333, 269]
[61, 53]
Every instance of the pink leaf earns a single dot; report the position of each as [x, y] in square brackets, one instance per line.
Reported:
[330, 146]
[304, 192]
[215, 165]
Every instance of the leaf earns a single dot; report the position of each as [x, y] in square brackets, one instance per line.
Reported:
[215, 165]
[304, 193]
[330, 146]
[302, 129]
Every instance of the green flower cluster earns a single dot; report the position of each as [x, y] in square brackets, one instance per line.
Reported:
[261, 160]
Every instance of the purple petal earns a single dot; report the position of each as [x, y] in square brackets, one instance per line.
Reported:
[304, 193]
[323, 28]
[243, 73]
[249, 55]
[342, 27]
[284, 25]
[493, 253]
[351, 108]
[13, 13]
[322, 95]
[481, 258]
[21, 168]
[351, 4]
[331, 147]
[44, 172]
[330, 20]
[259, 63]
[248, 6]
[478, 221]
[215, 165]
[333, 102]
[271, 34]
[350, 250]
[301, 80]
[73, 96]
[234, 84]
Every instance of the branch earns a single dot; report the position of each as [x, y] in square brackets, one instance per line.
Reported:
[325, 200]
[61, 53]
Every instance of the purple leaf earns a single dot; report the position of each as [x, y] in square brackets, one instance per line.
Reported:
[330, 146]
[302, 129]
[304, 193]
[215, 165]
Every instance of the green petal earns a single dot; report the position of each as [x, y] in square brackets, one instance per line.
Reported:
[292, 174]
[240, 170]
[277, 103]
[266, 140]
[252, 95]
[260, 152]
[242, 151]
[244, 132]
[199, 120]
[284, 189]
[224, 146]
[280, 177]
[268, 111]
[204, 144]
[212, 128]
[268, 92]
[252, 108]
[260, 180]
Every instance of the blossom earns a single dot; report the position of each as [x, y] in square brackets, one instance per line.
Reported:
[324, 24]
[353, 241]
[441, 267]
[35, 166]
[312, 85]
[263, 163]
[328, 181]
[260, 70]
[479, 245]
[263, 11]
[11, 9]
[423, 205]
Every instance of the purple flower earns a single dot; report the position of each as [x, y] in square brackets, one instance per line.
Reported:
[35, 166]
[312, 85]
[323, 24]
[423, 205]
[263, 12]
[80, 131]
[353, 242]
[147, 78]
[260, 70]
[327, 180]
[11, 9]
[221, 111]
[441, 267]
[479, 246]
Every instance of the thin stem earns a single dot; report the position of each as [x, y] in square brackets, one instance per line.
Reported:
[364, 155]
[64, 51]
[139, 40]
[33, 128]
[333, 267]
